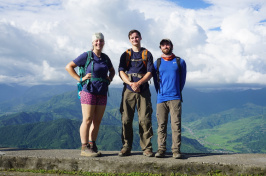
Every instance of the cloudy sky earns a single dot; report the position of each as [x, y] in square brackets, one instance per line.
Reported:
[222, 41]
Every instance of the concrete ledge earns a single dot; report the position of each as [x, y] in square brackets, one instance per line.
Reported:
[70, 160]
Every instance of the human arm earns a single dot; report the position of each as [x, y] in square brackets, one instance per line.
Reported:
[124, 77]
[154, 75]
[111, 74]
[123, 68]
[148, 74]
[184, 73]
[70, 69]
[144, 79]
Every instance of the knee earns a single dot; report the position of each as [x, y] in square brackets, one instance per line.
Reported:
[126, 121]
[86, 121]
[145, 122]
[97, 121]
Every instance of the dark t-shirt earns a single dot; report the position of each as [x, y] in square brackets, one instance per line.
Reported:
[136, 66]
[101, 68]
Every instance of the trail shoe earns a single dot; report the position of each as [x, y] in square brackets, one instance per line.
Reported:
[160, 154]
[87, 151]
[124, 152]
[177, 155]
[148, 153]
[94, 147]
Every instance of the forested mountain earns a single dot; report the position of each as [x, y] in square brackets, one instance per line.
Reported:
[221, 121]
[239, 130]
[64, 134]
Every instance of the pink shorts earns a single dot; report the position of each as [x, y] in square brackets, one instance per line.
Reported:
[91, 99]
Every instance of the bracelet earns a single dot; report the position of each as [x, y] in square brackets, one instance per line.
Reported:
[80, 79]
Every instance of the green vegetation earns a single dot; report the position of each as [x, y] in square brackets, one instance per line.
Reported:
[236, 134]
[84, 173]
[64, 134]
[60, 172]
[51, 120]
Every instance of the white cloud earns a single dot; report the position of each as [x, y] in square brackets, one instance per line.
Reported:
[38, 38]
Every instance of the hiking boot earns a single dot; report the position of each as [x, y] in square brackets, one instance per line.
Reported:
[148, 153]
[94, 147]
[177, 155]
[87, 151]
[160, 154]
[124, 152]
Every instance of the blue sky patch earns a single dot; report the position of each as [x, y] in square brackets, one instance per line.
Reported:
[192, 4]
[216, 29]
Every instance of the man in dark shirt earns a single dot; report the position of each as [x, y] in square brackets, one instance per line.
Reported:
[135, 69]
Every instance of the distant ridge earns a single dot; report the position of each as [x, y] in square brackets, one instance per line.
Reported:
[211, 121]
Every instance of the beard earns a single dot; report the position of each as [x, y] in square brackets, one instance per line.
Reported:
[167, 51]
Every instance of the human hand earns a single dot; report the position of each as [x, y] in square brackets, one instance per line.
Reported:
[137, 90]
[108, 78]
[87, 76]
[135, 87]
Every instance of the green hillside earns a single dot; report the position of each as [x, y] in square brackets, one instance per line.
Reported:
[240, 130]
[24, 118]
[211, 122]
[60, 133]
[17, 98]
[64, 134]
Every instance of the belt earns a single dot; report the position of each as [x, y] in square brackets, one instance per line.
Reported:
[138, 75]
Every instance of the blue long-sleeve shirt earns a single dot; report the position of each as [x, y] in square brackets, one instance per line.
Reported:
[169, 80]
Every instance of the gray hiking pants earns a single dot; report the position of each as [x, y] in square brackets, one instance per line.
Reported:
[131, 100]
[163, 109]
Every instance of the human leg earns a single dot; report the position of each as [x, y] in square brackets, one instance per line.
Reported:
[99, 111]
[175, 112]
[162, 112]
[87, 116]
[87, 113]
[144, 108]
[127, 109]
[101, 101]
[98, 115]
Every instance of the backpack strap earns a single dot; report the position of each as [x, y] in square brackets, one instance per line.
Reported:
[92, 69]
[82, 72]
[89, 60]
[144, 57]
[180, 74]
[158, 73]
[128, 55]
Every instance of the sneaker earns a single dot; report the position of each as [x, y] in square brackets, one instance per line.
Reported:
[87, 151]
[124, 152]
[160, 154]
[177, 155]
[148, 153]
[94, 148]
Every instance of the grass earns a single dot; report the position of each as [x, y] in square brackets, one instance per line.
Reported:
[84, 173]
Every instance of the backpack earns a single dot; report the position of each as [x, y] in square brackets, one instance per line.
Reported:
[180, 74]
[82, 73]
[144, 56]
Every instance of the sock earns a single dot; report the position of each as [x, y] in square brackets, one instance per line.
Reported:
[91, 142]
[84, 144]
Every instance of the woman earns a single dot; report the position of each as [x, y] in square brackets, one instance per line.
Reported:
[93, 96]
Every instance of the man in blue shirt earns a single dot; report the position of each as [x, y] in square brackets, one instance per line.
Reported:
[135, 69]
[169, 80]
